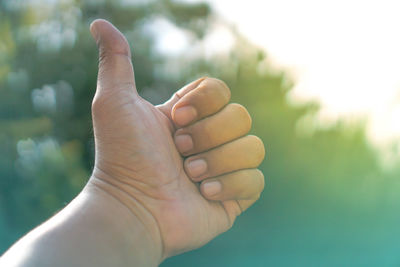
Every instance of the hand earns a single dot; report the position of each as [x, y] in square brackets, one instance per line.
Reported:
[166, 179]
[185, 167]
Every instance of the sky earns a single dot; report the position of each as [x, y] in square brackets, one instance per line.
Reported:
[344, 54]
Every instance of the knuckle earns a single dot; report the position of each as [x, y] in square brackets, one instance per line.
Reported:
[261, 180]
[97, 105]
[103, 99]
[205, 78]
[242, 114]
[215, 91]
[205, 83]
[223, 89]
[257, 149]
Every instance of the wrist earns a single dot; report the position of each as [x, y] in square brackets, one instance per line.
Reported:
[94, 229]
[127, 221]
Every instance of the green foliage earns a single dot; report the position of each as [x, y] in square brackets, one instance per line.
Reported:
[327, 199]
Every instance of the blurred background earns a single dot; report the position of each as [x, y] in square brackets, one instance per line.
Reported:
[320, 79]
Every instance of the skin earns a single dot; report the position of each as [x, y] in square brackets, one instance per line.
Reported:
[167, 178]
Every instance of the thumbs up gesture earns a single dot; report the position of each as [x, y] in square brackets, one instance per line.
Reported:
[185, 168]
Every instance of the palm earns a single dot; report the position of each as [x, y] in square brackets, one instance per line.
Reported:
[146, 161]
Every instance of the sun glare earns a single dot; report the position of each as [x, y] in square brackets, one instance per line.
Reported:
[345, 54]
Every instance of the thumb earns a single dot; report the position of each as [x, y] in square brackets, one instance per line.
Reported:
[115, 65]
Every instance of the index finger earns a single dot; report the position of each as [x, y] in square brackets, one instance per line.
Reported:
[210, 96]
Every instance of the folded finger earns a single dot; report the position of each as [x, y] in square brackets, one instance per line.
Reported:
[230, 123]
[244, 153]
[210, 96]
[239, 185]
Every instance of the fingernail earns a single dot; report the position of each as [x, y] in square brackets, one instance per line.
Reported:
[183, 143]
[196, 167]
[185, 115]
[212, 188]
